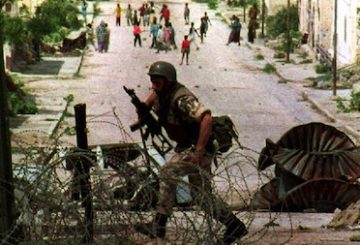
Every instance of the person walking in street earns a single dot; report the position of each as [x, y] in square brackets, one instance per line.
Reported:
[142, 13]
[90, 35]
[107, 38]
[128, 15]
[189, 124]
[187, 14]
[165, 14]
[235, 30]
[101, 36]
[193, 33]
[167, 36]
[117, 15]
[202, 29]
[135, 18]
[84, 10]
[161, 43]
[172, 36]
[185, 50]
[154, 29]
[137, 32]
[207, 22]
[146, 15]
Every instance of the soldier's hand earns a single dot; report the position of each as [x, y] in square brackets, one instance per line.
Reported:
[196, 158]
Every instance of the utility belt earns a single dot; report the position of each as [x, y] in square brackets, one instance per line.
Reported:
[210, 147]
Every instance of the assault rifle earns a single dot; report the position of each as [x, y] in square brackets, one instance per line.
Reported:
[152, 126]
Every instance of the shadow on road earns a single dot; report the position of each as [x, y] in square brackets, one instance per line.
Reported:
[44, 67]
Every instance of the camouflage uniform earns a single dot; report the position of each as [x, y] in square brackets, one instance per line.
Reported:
[182, 115]
[186, 112]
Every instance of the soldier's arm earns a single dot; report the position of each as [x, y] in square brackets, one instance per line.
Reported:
[194, 111]
[204, 133]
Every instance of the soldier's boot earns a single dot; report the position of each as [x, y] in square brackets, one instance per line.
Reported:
[156, 228]
[235, 229]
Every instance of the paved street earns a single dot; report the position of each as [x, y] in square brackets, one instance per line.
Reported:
[226, 78]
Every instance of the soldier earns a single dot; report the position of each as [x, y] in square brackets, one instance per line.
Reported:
[189, 124]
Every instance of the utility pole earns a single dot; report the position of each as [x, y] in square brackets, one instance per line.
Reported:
[288, 41]
[6, 178]
[334, 61]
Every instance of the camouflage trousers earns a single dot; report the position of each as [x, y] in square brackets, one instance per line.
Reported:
[199, 183]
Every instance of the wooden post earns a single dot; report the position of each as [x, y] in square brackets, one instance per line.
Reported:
[83, 169]
[6, 177]
[334, 60]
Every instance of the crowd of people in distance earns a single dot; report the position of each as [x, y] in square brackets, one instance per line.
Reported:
[162, 32]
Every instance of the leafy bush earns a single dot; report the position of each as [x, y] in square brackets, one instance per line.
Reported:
[48, 22]
[19, 105]
[14, 30]
[322, 68]
[352, 105]
[269, 68]
[259, 57]
[212, 4]
[295, 39]
[276, 24]
[56, 37]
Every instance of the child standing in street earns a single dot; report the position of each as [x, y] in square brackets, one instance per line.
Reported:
[192, 34]
[137, 32]
[129, 15]
[187, 14]
[118, 15]
[185, 50]
[202, 29]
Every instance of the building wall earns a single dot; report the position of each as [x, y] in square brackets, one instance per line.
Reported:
[325, 24]
[344, 27]
[31, 4]
[317, 20]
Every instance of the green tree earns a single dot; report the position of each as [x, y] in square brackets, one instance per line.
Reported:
[276, 24]
[14, 30]
[7, 213]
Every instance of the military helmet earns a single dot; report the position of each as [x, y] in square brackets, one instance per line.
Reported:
[164, 69]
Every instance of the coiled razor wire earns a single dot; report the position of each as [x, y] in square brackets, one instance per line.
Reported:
[48, 210]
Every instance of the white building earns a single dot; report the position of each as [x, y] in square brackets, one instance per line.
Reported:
[317, 21]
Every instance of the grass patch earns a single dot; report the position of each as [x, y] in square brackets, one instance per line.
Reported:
[269, 68]
[259, 57]
[322, 68]
[347, 106]
[306, 61]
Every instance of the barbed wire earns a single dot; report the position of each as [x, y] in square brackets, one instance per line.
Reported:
[50, 208]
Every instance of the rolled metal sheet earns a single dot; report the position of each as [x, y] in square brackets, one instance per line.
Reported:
[313, 151]
[267, 197]
[321, 195]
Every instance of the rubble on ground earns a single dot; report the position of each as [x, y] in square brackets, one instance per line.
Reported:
[347, 217]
